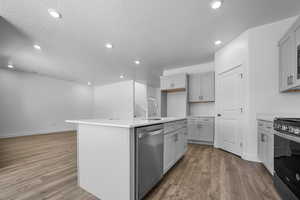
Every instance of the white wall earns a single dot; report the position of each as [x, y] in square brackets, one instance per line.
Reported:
[140, 93]
[264, 70]
[31, 104]
[257, 50]
[176, 104]
[196, 109]
[154, 106]
[114, 100]
[264, 73]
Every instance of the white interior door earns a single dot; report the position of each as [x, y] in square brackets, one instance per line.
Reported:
[230, 110]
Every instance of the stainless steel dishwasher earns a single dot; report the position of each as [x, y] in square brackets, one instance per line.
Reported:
[149, 158]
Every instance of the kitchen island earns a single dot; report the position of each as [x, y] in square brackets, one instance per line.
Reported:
[109, 155]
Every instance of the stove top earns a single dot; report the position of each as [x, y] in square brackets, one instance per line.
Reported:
[287, 125]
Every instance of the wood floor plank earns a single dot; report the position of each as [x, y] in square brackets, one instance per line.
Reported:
[43, 167]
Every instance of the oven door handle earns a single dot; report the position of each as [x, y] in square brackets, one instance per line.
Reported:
[150, 133]
[287, 137]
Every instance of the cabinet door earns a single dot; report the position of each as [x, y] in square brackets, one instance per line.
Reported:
[178, 81]
[205, 133]
[180, 144]
[169, 151]
[260, 146]
[297, 50]
[265, 150]
[192, 129]
[194, 87]
[185, 139]
[287, 62]
[270, 157]
[163, 83]
[207, 87]
[173, 82]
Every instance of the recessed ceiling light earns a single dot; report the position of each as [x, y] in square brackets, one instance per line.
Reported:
[55, 14]
[109, 45]
[137, 62]
[38, 47]
[10, 66]
[216, 4]
[89, 83]
[122, 76]
[218, 42]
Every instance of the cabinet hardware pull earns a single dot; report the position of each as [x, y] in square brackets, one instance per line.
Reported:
[290, 80]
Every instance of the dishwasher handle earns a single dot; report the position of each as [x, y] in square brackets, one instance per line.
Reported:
[150, 133]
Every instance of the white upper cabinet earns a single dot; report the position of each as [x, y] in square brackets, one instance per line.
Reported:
[163, 82]
[176, 82]
[289, 59]
[297, 70]
[202, 87]
[287, 75]
[194, 87]
[207, 86]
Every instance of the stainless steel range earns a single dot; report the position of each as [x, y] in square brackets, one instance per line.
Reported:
[287, 157]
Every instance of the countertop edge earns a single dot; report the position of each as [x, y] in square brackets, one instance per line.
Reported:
[97, 123]
[124, 125]
[201, 116]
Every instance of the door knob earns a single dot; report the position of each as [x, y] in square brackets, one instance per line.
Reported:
[219, 115]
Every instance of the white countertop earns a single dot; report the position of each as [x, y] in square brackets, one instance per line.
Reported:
[270, 116]
[201, 116]
[124, 123]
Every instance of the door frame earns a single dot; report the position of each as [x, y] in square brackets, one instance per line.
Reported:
[218, 136]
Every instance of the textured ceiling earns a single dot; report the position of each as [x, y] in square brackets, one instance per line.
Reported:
[161, 33]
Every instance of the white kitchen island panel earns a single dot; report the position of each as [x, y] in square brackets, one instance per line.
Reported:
[106, 161]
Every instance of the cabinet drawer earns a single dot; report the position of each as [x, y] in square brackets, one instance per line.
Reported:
[173, 126]
[202, 120]
[266, 127]
[181, 124]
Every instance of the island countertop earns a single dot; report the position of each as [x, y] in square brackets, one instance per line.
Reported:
[125, 123]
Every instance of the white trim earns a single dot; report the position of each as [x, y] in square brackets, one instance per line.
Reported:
[218, 141]
[201, 142]
[37, 132]
[250, 157]
[230, 69]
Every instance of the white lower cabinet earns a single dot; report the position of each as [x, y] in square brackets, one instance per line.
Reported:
[181, 143]
[201, 130]
[266, 144]
[169, 153]
[175, 143]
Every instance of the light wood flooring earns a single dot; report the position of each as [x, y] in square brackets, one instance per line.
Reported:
[44, 167]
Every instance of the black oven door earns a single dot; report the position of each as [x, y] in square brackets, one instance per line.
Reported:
[287, 165]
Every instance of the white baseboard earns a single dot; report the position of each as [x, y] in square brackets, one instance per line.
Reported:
[244, 156]
[250, 157]
[200, 142]
[37, 132]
